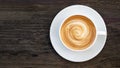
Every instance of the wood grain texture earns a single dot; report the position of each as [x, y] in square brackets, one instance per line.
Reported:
[24, 34]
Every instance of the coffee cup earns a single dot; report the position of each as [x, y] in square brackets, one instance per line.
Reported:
[78, 32]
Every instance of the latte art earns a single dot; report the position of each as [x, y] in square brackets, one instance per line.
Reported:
[78, 32]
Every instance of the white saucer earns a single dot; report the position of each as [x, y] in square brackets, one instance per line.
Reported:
[78, 56]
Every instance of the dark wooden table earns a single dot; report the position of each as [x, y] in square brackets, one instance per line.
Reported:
[24, 34]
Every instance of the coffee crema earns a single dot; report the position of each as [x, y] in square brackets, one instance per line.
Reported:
[77, 32]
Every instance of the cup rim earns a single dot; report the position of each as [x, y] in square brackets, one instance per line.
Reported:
[79, 49]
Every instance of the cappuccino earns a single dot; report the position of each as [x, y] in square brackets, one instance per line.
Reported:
[77, 32]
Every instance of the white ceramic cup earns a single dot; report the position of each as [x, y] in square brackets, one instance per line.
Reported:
[97, 33]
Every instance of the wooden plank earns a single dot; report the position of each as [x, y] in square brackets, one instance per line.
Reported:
[24, 34]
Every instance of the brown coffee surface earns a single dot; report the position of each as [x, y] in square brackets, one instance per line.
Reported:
[78, 32]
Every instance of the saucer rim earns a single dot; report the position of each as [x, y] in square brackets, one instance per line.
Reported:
[60, 40]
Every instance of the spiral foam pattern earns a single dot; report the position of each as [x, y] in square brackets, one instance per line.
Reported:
[78, 32]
